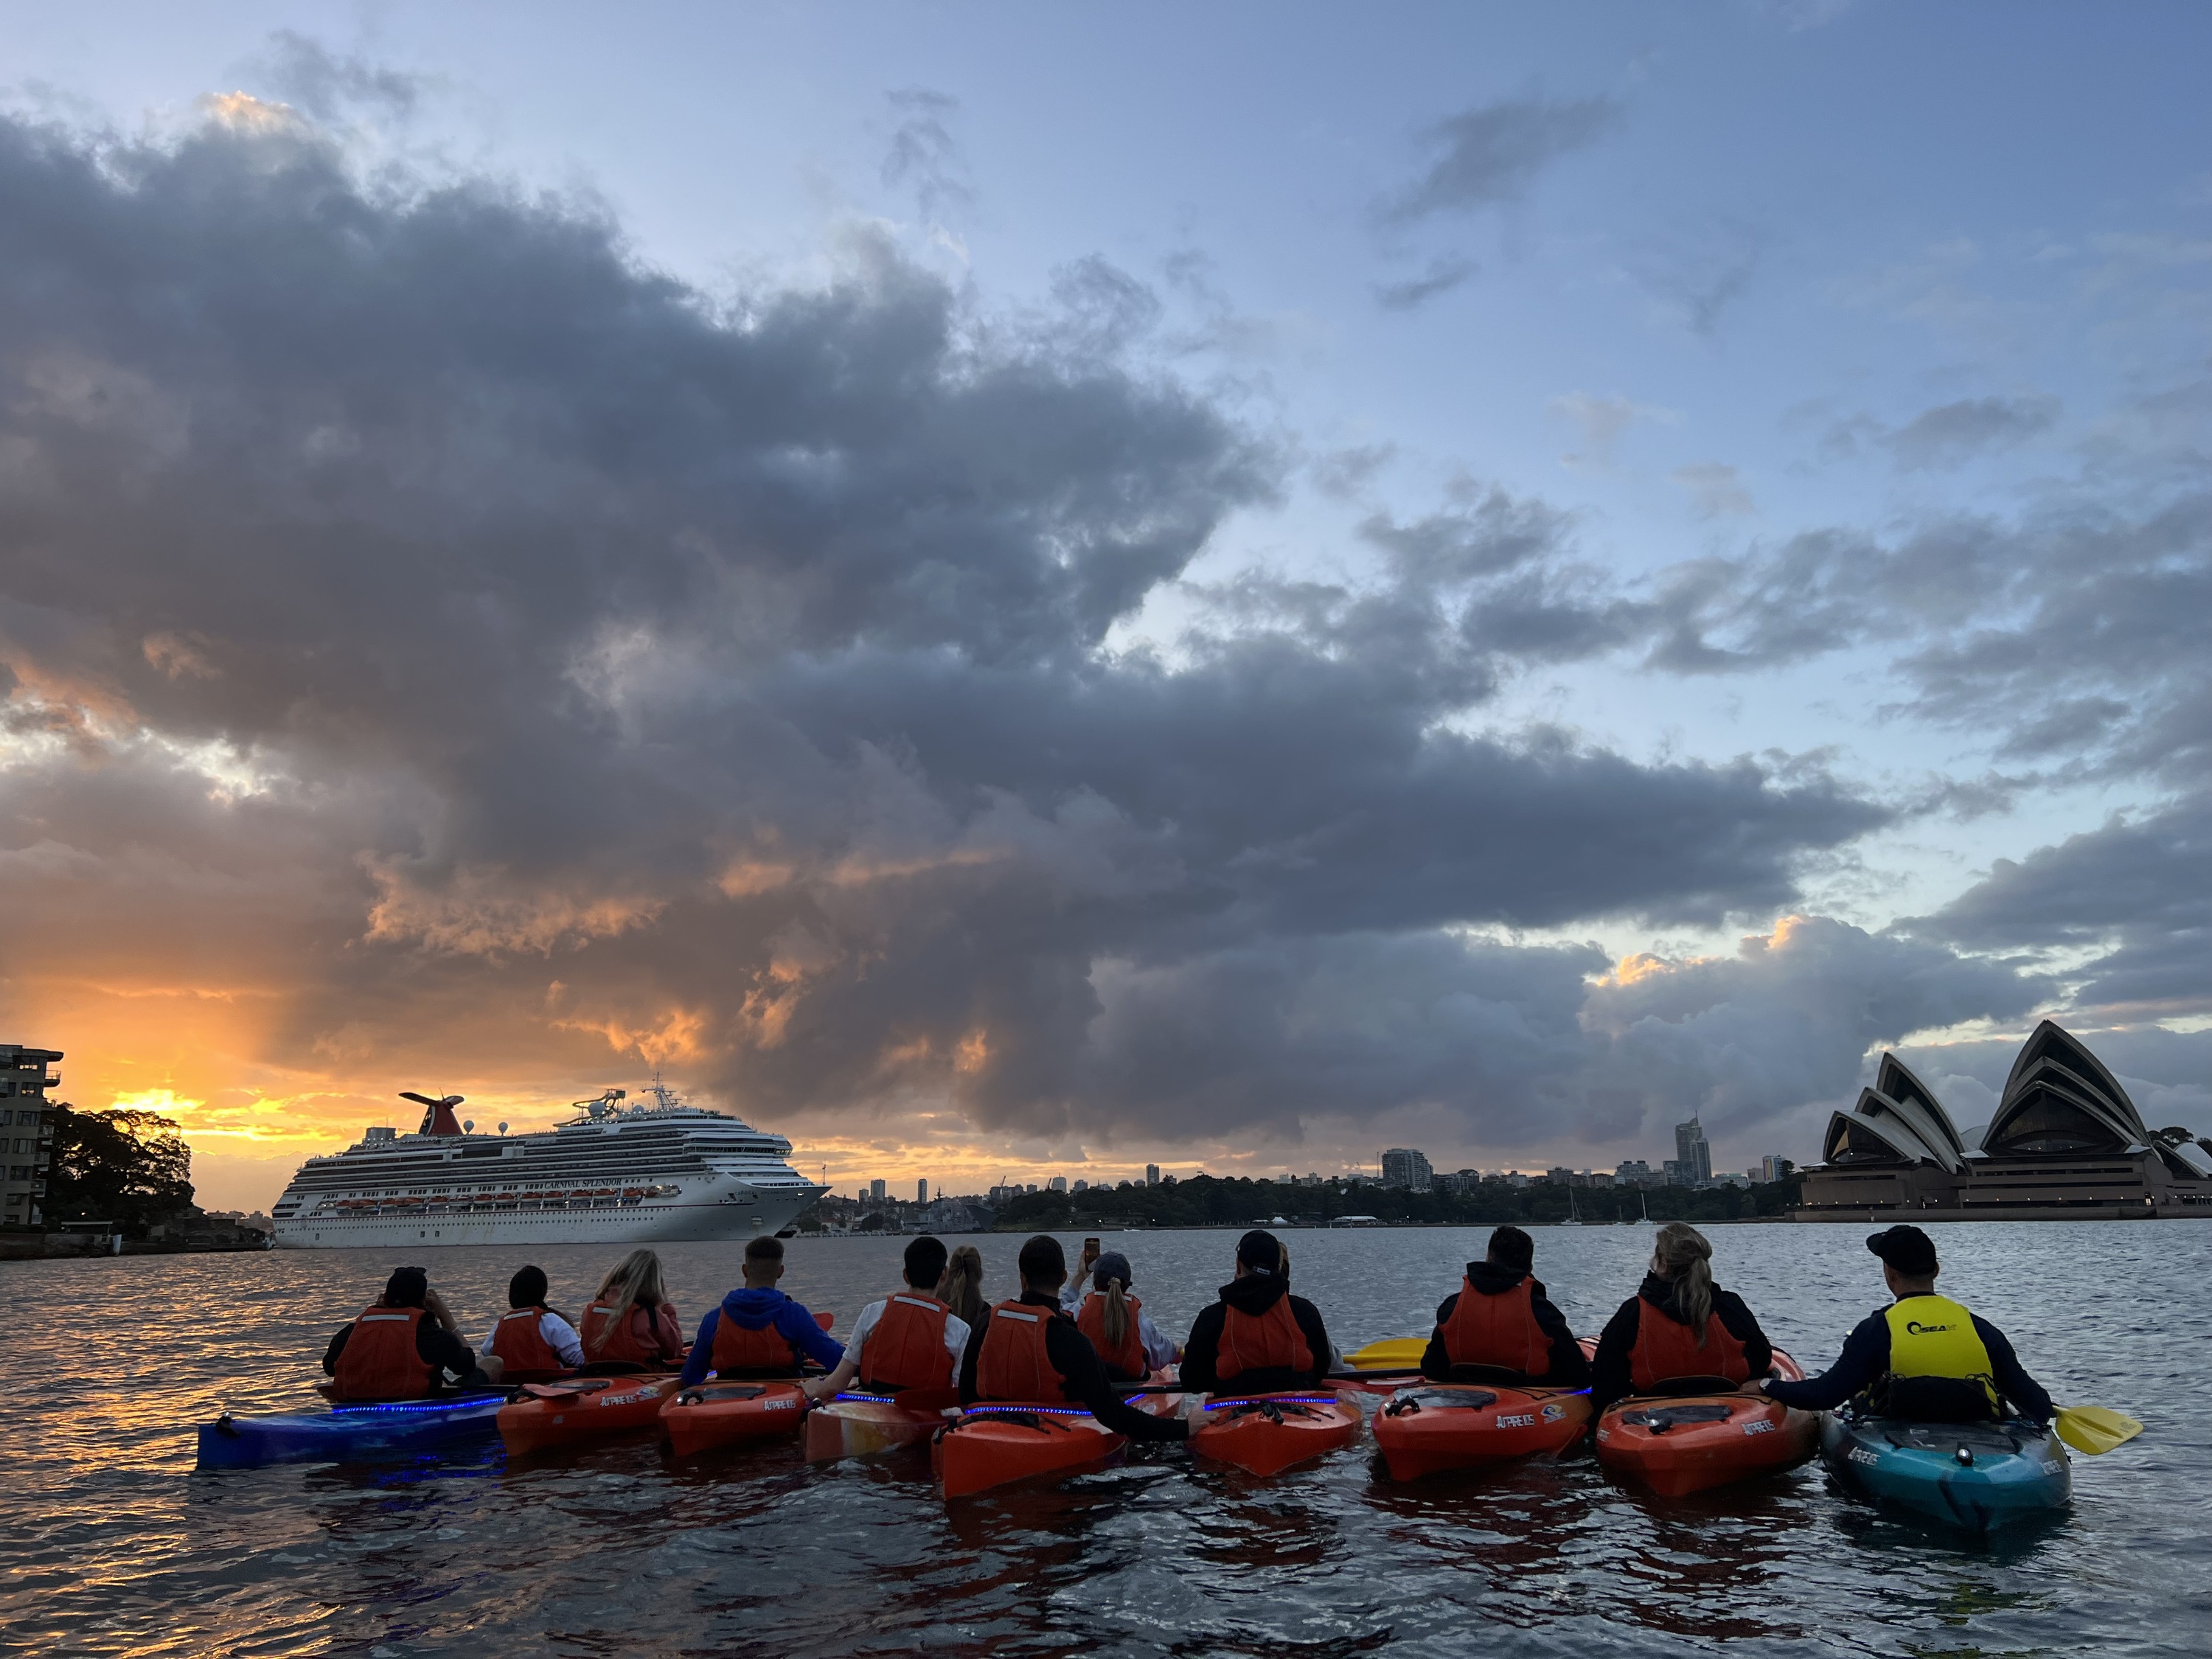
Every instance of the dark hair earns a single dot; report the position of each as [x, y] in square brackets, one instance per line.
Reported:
[1511, 1248]
[1041, 1259]
[1260, 1251]
[764, 1248]
[406, 1288]
[925, 1262]
[527, 1288]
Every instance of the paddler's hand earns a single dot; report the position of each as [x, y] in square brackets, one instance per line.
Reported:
[1756, 1388]
[817, 1388]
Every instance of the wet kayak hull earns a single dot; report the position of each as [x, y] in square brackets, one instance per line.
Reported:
[996, 1445]
[714, 1415]
[347, 1433]
[866, 1426]
[1678, 1446]
[1265, 1434]
[550, 1416]
[1435, 1428]
[1975, 1477]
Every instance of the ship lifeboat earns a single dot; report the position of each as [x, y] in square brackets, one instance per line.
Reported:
[633, 1192]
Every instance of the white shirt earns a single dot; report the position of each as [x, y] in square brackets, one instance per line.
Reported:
[955, 1337]
[559, 1335]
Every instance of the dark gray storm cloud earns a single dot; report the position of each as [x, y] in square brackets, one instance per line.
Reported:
[1490, 154]
[545, 644]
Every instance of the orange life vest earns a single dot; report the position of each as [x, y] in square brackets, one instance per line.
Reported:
[1127, 1363]
[1258, 1342]
[528, 1356]
[643, 1339]
[738, 1350]
[905, 1347]
[1498, 1330]
[380, 1361]
[1666, 1348]
[1014, 1363]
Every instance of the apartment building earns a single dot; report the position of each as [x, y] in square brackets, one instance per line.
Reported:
[26, 1133]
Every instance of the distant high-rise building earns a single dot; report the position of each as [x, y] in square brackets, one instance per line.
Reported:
[1404, 1168]
[1693, 1153]
[922, 1190]
[1082, 1186]
[1631, 1172]
[876, 1189]
[1058, 1184]
[30, 1140]
[1151, 1174]
[1773, 1167]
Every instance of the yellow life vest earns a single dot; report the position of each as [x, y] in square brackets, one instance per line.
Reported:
[1934, 1336]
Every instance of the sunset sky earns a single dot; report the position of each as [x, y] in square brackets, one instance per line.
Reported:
[1010, 590]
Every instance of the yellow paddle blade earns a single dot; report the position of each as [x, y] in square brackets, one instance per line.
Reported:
[2095, 1429]
[1396, 1352]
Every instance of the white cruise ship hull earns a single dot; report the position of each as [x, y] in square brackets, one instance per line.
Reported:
[738, 1214]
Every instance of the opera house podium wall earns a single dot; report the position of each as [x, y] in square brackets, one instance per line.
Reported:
[2066, 1144]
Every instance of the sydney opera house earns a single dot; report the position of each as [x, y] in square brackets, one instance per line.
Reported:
[2066, 1144]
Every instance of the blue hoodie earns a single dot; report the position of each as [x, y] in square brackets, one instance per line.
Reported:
[756, 1310]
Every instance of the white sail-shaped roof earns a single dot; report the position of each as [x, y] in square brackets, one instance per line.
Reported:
[1895, 1080]
[2060, 1099]
[1876, 1130]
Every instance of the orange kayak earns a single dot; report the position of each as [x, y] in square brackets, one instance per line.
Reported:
[991, 1445]
[1266, 1433]
[1430, 1427]
[711, 1414]
[865, 1425]
[546, 1416]
[1677, 1444]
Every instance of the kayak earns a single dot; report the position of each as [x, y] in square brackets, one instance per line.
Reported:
[992, 1445]
[1431, 1427]
[1677, 1444]
[865, 1425]
[346, 1432]
[1977, 1477]
[546, 1416]
[1264, 1434]
[714, 1414]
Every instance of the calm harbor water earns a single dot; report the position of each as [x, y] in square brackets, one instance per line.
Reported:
[114, 1544]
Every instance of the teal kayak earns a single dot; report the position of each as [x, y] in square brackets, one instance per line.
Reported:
[347, 1433]
[1976, 1477]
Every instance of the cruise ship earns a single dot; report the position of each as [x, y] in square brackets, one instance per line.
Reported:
[653, 1172]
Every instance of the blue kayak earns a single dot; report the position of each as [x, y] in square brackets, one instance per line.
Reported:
[1977, 1477]
[347, 1433]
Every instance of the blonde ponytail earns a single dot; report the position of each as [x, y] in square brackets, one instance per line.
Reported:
[961, 1289]
[1116, 1319]
[1681, 1256]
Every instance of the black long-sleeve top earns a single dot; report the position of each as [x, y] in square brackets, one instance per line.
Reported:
[1254, 1294]
[1865, 1358]
[1609, 1371]
[1569, 1369]
[1082, 1375]
[455, 1360]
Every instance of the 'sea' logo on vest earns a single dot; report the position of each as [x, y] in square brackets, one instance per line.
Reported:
[1914, 1328]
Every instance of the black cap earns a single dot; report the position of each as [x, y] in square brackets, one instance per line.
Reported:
[527, 1288]
[1905, 1249]
[1260, 1251]
[1111, 1266]
[406, 1287]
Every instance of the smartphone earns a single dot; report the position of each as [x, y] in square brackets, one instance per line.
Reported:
[1090, 1247]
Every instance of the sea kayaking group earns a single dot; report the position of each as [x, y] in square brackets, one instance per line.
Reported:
[1083, 1338]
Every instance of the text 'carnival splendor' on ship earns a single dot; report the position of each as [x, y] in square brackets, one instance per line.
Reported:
[639, 1174]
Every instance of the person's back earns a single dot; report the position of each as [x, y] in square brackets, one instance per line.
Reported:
[533, 1343]
[1115, 1322]
[403, 1346]
[1501, 1326]
[757, 1331]
[631, 1322]
[1924, 1357]
[1257, 1337]
[1679, 1326]
[908, 1340]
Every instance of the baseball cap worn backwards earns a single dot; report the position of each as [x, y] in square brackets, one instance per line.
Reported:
[1259, 1250]
[1905, 1249]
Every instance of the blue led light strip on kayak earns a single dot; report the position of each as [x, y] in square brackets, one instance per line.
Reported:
[420, 1406]
[870, 1399]
[1003, 1407]
[1276, 1399]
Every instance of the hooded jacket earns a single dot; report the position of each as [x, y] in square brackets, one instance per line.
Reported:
[757, 1309]
[1609, 1379]
[1253, 1294]
[1569, 1369]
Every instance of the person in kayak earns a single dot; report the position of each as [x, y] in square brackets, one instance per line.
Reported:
[1127, 1341]
[907, 1339]
[1924, 1357]
[1679, 1324]
[1258, 1337]
[962, 1287]
[1028, 1350]
[407, 1346]
[758, 1331]
[533, 1343]
[1500, 1319]
[631, 1324]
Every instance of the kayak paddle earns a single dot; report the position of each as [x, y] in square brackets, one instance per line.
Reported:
[1391, 1351]
[2095, 1430]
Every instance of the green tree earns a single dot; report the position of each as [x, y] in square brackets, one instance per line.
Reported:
[131, 1168]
